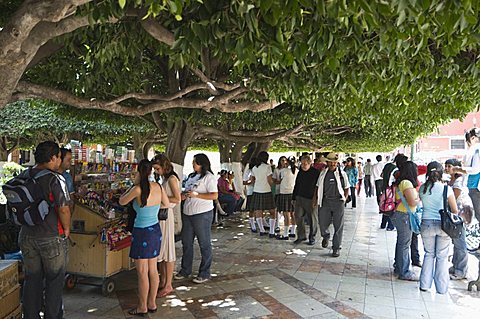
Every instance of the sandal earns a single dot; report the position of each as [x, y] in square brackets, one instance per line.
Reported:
[152, 310]
[134, 312]
[165, 293]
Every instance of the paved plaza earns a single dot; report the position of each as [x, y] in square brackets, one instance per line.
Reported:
[258, 277]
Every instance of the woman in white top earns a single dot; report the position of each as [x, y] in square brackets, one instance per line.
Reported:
[262, 193]
[249, 189]
[285, 183]
[170, 182]
[200, 192]
[471, 165]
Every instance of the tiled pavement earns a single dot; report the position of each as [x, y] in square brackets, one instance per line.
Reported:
[257, 277]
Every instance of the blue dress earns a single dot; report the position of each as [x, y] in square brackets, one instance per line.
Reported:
[146, 234]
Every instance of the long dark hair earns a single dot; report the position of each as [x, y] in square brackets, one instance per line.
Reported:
[408, 171]
[474, 132]
[144, 170]
[167, 167]
[434, 174]
[262, 158]
[292, 163]
[202, 160]
[253, 162]
[279, 165]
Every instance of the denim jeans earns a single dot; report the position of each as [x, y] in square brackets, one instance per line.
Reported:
[230, 201]
[198, 225]
[402, 248]
[368, 185]
[460, 255]
[44, 262]
[435, 263]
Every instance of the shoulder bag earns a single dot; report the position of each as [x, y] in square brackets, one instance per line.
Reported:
[415, 218]
[452, 224]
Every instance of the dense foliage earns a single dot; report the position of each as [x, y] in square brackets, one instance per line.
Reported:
[356, 75]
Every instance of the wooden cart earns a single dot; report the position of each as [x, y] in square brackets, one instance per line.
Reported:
[88, 257]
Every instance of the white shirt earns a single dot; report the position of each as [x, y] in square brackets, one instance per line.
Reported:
[377, 171]
[261, 174]
[246, 177]
[288, 180]
[207, 184]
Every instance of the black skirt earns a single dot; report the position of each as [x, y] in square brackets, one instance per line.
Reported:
[284, 203]
[248, 206]
[263, 201]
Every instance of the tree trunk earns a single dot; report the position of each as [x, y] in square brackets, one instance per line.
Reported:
[3, 155]
[224, 148]
[180, 134]
[138, 146]
[253, 150]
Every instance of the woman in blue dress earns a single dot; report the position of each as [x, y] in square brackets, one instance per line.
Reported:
[146, 236]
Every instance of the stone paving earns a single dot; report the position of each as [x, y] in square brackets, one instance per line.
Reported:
[258, 277]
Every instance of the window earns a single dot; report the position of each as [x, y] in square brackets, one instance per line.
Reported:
[457, 144]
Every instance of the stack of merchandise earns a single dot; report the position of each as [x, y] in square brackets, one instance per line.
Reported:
[9, 290]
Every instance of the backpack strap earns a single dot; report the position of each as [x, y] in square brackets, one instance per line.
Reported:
[445, 205]
[404, 201]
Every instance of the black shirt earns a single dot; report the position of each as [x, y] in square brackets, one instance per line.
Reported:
[305, 183]
[55, 190]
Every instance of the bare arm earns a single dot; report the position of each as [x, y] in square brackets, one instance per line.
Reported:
[65, 217]
[457, 192]
[173, 183]
[411, 197]
[129, 195]
[270, 180]
[453, 204]
[165, 200]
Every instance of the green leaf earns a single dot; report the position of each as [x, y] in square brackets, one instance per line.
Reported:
[122, 3]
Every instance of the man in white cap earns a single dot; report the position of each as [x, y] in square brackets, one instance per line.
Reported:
[332, 191]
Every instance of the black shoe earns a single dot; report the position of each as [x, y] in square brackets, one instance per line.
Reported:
[291, 235]
[271, 235]
[254, 230]
[134, 312]
[311, 242]
[281, 237]
[417, 263]
[325, 242]
[263, 233]
[277, 229]
[299, 241]
[336, 253]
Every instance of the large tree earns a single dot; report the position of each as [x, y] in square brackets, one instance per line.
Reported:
[357, 73]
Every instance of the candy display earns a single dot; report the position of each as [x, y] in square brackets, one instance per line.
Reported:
[116, 236]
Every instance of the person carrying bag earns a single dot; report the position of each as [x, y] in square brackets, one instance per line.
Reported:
[452, 223]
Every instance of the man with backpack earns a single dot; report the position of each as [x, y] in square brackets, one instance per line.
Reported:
[332, 191]
[38, 200]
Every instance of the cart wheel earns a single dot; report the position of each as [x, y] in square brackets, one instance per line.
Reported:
[108, 287]
[70, 281]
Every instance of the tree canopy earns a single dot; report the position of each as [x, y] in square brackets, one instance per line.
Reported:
[348, 75]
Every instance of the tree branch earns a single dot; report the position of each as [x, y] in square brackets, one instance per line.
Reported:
[245, 136]
[26, 90]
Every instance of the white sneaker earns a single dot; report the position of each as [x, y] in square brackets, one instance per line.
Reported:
[179, 276]
[200, 280]
[457, 277]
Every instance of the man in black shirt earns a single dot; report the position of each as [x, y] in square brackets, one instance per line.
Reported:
[44, 246]
[304, 201]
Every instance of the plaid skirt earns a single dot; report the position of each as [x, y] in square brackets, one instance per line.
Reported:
[248, 206]
[284, 203]
[263, 201]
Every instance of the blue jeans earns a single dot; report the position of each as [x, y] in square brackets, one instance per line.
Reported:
[232, 203]
[435, 262]
[402, 249]
[460, 255]
[198, 225]
[44, 262]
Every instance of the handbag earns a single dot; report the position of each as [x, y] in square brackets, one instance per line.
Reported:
[162, 213]
[452, 224]
[414, 218]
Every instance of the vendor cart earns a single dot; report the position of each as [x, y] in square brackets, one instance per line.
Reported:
[93, 258]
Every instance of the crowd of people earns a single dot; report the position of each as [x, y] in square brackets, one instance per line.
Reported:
[301, 192]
